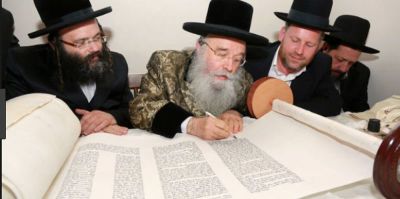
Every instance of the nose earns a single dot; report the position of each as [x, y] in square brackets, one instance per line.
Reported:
[300, 49]
[229, 65]
[344, 67]
[93, 46]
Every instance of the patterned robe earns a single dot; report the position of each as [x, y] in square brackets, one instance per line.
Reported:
[165, 100]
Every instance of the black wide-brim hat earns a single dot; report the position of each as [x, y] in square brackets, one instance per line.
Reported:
[58, 14]
[312, 14]
[354, 33]
[231, 18]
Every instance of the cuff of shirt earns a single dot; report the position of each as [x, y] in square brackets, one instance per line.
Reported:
[184, 125]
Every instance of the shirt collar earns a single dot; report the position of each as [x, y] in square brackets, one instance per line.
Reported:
[274, 71]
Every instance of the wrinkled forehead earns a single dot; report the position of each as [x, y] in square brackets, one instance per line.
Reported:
[221, 37]
[305, 33]
[234, 45]
[349, 53]
[88, 28]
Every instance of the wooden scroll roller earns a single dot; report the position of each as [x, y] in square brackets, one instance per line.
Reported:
[263, 92]
[386, 174]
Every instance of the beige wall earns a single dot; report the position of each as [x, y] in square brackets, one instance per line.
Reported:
[139, 27]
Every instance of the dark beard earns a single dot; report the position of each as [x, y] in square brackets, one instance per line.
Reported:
[77, 69]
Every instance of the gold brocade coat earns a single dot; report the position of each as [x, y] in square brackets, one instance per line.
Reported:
[165, 84]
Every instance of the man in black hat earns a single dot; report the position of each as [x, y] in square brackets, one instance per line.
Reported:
[182, 87]
[351, 76]
[75, 65]
[296, 59]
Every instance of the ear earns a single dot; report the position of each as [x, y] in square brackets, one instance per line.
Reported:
[197, 45]
[324, 46]
[282, 33]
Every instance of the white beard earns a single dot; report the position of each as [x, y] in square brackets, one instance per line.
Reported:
[213, 95]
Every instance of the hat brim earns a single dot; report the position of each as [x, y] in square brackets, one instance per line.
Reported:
[362, 48]
[69, 22]
[205, 29]
[284, 17]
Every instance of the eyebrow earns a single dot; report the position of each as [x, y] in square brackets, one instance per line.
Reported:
[221, 48]
[311, 43]
[345, 59]
[226, 50]
[294, 37]
[86, 38]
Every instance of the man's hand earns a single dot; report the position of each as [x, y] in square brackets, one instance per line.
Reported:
[233, 119]
[94, 121]
[208, 128]
[116, 129]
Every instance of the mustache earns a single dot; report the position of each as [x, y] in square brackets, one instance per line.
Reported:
[337, 71]
[92, 55]
[296, 56]
[223, 72]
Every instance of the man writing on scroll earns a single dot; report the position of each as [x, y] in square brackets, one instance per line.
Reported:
[296, 59]
[182, 86]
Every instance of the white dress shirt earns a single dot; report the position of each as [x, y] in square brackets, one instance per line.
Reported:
[89, 90]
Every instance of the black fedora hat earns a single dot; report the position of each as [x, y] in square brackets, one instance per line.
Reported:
[230, 18]
[57, 14]
[309, 13]
[354, 33]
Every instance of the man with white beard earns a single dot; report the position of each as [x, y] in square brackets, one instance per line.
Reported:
[216, 95]
[181, 87]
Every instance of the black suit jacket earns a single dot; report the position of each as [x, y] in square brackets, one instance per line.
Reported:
[31, 69]
[313, 90]
[354, 88]
[7, 39]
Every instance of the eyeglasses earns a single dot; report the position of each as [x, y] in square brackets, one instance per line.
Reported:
[222, 55]
[84, 43]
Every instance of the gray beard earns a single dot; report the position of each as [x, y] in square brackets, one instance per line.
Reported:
[214, 96]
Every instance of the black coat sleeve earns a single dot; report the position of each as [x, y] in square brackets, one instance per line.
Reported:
[121, 93]
[354, 88]
[15, 84]
[314, 90]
